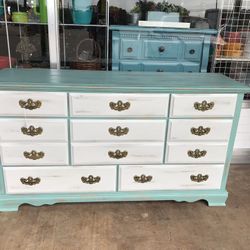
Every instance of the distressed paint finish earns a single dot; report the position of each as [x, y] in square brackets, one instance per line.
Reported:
[43, 80]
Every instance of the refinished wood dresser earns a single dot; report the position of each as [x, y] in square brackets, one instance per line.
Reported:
[73, 136]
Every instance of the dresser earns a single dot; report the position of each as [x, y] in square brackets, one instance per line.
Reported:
[160, 49]
[73, 136]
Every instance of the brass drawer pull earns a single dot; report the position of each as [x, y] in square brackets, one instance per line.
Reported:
[32, 131]
[91, 179]
[30, 104]
[143, 178]
[117, 154]
[199, 178]
[33, 155]
[203, 106]
[197, 153]
[118, 131]
[30, 181]
[200, 131]
[119, 106]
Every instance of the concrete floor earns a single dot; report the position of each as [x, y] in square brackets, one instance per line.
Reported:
[135, 225]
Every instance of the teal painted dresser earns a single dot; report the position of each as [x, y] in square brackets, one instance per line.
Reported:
[160, 49]
[72, 136]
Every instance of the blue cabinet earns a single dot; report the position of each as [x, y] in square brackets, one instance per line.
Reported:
[161, 50]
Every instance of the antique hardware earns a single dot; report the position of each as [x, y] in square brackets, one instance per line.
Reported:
[117, 154]
[30, 181]
[196, 153]
[199, 178]
[119, 106]
[200, 131]
[143, 178]
[33, 155]
[91, 179]
[130, 50]
[118, 131]
[191, 51]
[30, 104]
[161, 49]
[32, 131]
[203, 106]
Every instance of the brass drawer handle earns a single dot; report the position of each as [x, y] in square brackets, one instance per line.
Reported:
[197, 153]
[117, 154]
[199, 178]
[30, 181]
[143, 178]
[203, 106]
[200, 131]
[33, 155]
[119, 106]
[32, 131]
[30, 104]
[118, 131]
[91, 179]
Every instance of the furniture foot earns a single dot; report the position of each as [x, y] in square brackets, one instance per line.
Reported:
[217, 201]
[9, 207]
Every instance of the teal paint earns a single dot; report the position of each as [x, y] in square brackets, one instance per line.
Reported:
[232, 140]
[2, 186]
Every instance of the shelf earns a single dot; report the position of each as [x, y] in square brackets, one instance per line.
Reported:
[23, 23]
[84, 25]
[240, 59]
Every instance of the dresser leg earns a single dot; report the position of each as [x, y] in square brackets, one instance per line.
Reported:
[217, 201]
[9, 206]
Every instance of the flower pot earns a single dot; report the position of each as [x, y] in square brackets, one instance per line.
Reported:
[163, 16]
[82, 11]
[20, 17]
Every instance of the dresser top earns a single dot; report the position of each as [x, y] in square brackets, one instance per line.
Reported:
[165, 30]
[115, 81]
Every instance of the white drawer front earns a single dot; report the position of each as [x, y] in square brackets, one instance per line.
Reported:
[177, 152]
[131, 105]
[45, 154]
[33, 130]
[199, 130]
[170, 177]
[60, 179]
[106, 153]
[184, 105]
[118, 130]
[51, 104]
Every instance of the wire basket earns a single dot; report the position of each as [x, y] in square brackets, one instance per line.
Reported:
[87, 59]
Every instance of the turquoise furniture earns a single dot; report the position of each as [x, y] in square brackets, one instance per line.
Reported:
[72, 136]
[160, 49]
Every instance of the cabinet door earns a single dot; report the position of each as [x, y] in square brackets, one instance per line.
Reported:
[192, 50]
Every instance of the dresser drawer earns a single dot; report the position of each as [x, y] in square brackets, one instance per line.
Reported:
[193, 50]
[33, 104]
[119, 105]
[116, 153]
[199, 130]
[118, 130]
[170, 177]
[34, 154]
[130, 66]
[33, 130]
[130, 48]
[205, 105]
[162, 67]
[161, 49]
[59, 179]
[193, 152]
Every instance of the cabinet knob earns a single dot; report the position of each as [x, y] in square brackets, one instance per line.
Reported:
[191, 51]
[30, 104]
[91, 179]
[30, 181]
[119, 106]
[199, 178]
[32, 131]
[33, 155]
[161, 49]
[203, 106]
[143, 178]
[129, 50]
[117, 154]
[159, 70]
[197, 153]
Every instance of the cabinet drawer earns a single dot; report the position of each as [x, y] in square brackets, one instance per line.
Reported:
[193, 50]
[199, 130]
[33, 104]
[156, 49]
[34, 154]
[162, 67]
[190, 152]
[197, 105]
[116, 153]
[119, 105]
[33, 130]
[130, 66]
[60, 179]
[130, 48]
[170, 177]
[118, 130]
